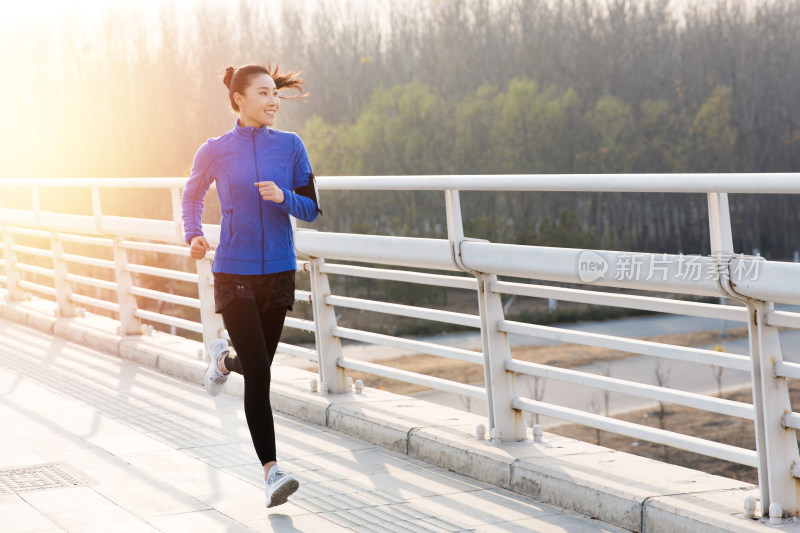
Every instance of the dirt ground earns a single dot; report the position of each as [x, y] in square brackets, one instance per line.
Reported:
[711, 426]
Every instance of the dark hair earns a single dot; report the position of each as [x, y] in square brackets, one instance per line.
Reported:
[239, 79]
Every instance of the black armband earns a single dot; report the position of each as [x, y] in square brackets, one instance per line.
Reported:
[309, 190]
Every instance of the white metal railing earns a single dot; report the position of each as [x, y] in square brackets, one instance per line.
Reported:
[50, 271]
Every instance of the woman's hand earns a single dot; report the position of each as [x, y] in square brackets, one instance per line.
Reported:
[270, 191]
[199, 247]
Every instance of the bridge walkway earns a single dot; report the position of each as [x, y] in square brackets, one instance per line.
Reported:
[91, 442]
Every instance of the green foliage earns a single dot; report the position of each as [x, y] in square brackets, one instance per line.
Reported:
[612, 129]
[401, 131]
[535, 131]
[713, 135]
[565, 229]
[524, 129]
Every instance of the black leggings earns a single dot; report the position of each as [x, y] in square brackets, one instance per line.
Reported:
[255, 336]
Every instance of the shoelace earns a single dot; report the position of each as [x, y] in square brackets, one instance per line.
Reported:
[275, 477]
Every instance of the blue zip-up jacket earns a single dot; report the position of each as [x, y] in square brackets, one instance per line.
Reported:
[256, 234]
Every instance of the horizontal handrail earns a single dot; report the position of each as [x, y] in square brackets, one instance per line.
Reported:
[449, 317]
[628, 301]
[94, 282]
[298, 351]
[422, 380]
[637, 431]
[299, 323]
[410, 345]
[166, 297]
[755, 183]
[90, 261]
[422, 278]
[688, 399]
[624, 344]
[162, 273]
[94, 302]
[182, 323]
[398, 251]
[37, 287]
[41, 271]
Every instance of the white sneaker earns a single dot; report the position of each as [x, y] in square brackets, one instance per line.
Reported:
[279, 486]
[215, 378]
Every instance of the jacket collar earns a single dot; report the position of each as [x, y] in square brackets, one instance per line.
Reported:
[247, 132]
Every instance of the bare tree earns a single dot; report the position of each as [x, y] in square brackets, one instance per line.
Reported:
[661, 374]
[717, 371]
[606, 393]
[466, 401]
[594, 407]
[536, 388]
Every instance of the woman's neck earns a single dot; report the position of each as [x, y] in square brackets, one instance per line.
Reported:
[246, 122]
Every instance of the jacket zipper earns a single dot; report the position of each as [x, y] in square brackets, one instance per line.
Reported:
[261, 200]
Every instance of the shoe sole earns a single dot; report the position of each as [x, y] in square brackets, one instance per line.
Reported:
[282, 493]
[206, 381]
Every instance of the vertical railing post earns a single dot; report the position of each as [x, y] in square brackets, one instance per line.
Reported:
[15, 292]
[129, 322]
[213, 325]
[505, 422]
[508, 422]
[719, 224]
[65, 306]
[329, 348]
[776, 447]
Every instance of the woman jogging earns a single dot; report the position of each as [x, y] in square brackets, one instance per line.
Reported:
[263, 176]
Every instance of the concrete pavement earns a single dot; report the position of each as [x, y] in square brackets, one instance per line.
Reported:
[91, 442]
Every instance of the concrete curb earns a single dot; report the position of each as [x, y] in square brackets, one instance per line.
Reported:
[633, 492]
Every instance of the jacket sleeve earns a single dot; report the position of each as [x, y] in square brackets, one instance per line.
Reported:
[302, 202]
[194, 194]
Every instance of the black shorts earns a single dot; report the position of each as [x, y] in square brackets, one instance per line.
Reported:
[267, 290]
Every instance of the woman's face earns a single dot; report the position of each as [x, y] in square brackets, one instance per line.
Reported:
[259, 104]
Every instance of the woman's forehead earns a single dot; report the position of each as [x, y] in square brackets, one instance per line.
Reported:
[262, 81]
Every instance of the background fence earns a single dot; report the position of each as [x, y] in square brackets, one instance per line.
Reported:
[107, 263]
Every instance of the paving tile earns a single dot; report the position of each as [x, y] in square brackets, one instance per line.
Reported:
[111, 519]
[482, 507]
[562, 523]
[147, 499]
[14, 453]
[418, 482]
[18, 516]
[129, 443]
[252, 473]
[428, 527]
[65, 499]
[205, 521]
[360, 462]
[278, 523]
